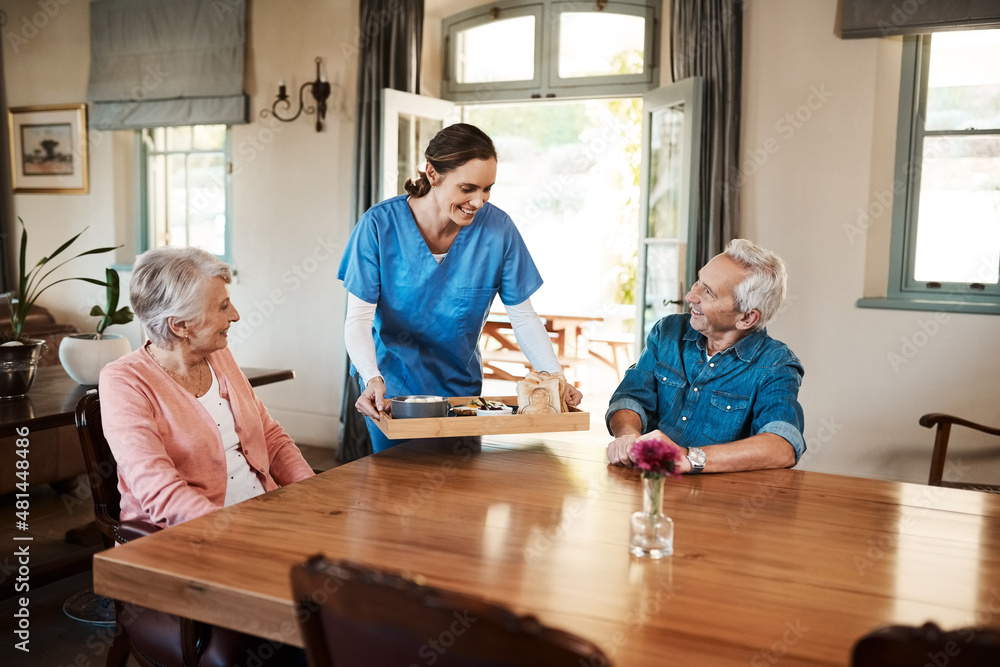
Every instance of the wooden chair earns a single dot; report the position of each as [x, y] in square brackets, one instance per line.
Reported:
[907, 646]
[620, 344]
[944, 423]
[153, 638]
[353, 616]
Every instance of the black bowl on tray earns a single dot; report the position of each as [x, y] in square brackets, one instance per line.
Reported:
[417, 407]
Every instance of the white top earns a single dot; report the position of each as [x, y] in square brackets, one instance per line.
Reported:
[241, 480]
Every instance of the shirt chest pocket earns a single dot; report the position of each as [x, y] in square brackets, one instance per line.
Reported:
[727, 417]
[670, 382]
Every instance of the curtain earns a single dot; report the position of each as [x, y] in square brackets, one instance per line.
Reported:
[8, 280]
[392, 33]
[706, 38]
[880, 18]
[157, 63]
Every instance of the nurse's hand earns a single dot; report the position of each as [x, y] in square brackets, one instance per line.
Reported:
[371, 403]
[573, 395]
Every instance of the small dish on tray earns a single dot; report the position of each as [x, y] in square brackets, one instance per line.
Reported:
[494, 409]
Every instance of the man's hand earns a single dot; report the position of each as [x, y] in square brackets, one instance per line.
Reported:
[619, 450]
[683, 464]
[626, 426]
[371, 403]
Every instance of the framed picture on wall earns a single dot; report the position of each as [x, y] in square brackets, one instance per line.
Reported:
[49, 148]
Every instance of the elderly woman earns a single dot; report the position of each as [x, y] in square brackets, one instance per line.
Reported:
[188, 432]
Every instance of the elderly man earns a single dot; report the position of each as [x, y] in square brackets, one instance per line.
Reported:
[713, 381]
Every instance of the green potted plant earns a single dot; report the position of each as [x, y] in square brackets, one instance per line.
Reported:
[84, 355]
[19, 355]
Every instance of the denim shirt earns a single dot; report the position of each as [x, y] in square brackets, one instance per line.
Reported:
[750, 388]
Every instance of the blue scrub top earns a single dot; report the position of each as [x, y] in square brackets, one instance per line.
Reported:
[429, 316]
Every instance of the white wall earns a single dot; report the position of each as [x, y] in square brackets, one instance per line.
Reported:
[804, 201]
[292, 194]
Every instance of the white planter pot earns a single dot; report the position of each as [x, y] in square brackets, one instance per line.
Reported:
[83, 355]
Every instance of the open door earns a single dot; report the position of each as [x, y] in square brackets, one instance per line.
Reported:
[408, 123]
[668, 210]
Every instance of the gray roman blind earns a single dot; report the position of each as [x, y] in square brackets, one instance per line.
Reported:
[880, 18]
[157, 63]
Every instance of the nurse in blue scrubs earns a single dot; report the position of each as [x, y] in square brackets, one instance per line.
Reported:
[422, 270]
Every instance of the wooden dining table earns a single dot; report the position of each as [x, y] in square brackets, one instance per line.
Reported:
[783, 567]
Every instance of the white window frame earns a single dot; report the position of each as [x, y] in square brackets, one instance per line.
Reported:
[546, 82]
[144, 241]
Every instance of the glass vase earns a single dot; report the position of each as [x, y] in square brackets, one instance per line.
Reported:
[651, 531]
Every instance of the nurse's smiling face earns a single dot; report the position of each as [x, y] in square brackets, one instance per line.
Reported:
[461, 192]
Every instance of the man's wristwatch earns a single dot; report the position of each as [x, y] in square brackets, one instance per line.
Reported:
[696, 455]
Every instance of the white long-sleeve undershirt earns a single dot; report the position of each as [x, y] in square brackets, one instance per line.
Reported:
[532, 337]
[358, 337]
[528, 330]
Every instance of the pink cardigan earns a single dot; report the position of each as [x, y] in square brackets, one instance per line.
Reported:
[171, 463]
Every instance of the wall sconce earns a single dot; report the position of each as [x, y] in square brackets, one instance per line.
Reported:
[320, 89]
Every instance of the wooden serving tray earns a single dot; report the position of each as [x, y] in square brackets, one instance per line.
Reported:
[445, 427]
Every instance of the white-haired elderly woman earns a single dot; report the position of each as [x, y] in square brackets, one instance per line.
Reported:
[188, 432]
[712, 380]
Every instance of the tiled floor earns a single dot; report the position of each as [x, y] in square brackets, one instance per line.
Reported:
[56, 640]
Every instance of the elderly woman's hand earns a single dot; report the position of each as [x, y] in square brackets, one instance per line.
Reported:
[371, 403]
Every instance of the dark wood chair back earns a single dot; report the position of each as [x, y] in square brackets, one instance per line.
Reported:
[353, 616]
[908, 646]
[102, 469]
[944, 423]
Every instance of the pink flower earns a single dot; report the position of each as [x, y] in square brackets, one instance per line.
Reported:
[655, 455]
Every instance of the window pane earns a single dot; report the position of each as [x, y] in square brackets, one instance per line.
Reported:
[207, 203]
[664, 268]
[497, 51]
[666, 164]
[179, 138]
[209, 137]
[186, 187]
[600, 44]
[963, 86]
[414, 133]
[177, 194]
[156, 194]
[958, 230]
